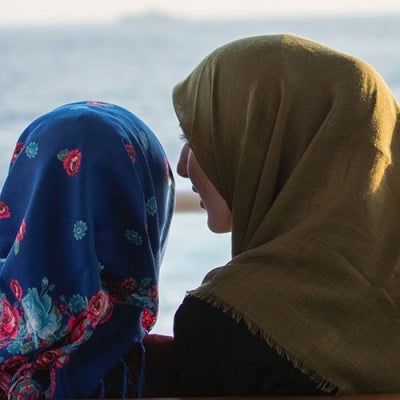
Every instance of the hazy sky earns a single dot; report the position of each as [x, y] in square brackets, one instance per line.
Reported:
[41, 11]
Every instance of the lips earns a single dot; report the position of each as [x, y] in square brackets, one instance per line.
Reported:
[201, 201]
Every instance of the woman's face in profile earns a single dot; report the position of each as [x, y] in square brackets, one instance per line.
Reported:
[219, 215]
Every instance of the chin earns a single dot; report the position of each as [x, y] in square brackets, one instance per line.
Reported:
[219, 227]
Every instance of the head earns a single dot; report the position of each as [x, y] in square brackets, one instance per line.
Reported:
[86, 209]
[268, 119]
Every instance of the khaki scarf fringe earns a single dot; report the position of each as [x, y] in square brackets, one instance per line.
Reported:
[321, 383]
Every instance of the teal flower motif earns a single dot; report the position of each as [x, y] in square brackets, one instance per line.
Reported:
[31, 150]
[144, 139]
[151, 206]
[139, 301]
[77, 303]
[134, 237]
[80, 228]
[41, 318]
[79, 107]
[17, 345]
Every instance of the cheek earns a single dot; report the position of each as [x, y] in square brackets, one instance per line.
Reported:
[195, 173]
[219, 216]
[201, 184]
[182, 167]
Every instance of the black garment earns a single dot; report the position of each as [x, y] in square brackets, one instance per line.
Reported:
[216, 356]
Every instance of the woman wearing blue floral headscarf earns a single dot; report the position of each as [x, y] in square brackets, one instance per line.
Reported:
[84, 216]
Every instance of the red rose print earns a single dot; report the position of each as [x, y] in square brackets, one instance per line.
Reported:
[5, 380]
[16, 289]
[20, 235]
[4, 210]
[97, 103]
[61, 306]
[131, 152]
[21, 231]
[148, 319]
[128, 285]
[72, 162]
[19, 146]
[77, 326]
[13, 363]
[108, 312]
[98, 307]
[48, 357]
[53, 357]
[9, 320]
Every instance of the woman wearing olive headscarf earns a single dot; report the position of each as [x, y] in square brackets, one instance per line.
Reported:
[301, 145]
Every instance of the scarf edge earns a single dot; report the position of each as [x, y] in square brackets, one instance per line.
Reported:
[320, 382]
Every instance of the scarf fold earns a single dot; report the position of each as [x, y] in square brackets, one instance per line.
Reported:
[84, 217]
[302, 141]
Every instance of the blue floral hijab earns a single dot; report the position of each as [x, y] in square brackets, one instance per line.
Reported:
[84, 217]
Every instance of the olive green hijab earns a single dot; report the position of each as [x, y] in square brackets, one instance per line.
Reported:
[303, 144]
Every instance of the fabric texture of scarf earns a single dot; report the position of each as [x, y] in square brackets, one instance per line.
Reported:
[84, 216]
[303, 142]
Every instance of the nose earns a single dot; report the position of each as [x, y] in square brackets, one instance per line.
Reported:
[181, 168]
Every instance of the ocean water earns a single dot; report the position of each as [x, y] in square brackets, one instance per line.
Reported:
[135, 63]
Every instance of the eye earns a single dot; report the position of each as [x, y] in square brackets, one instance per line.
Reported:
[183, 137]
